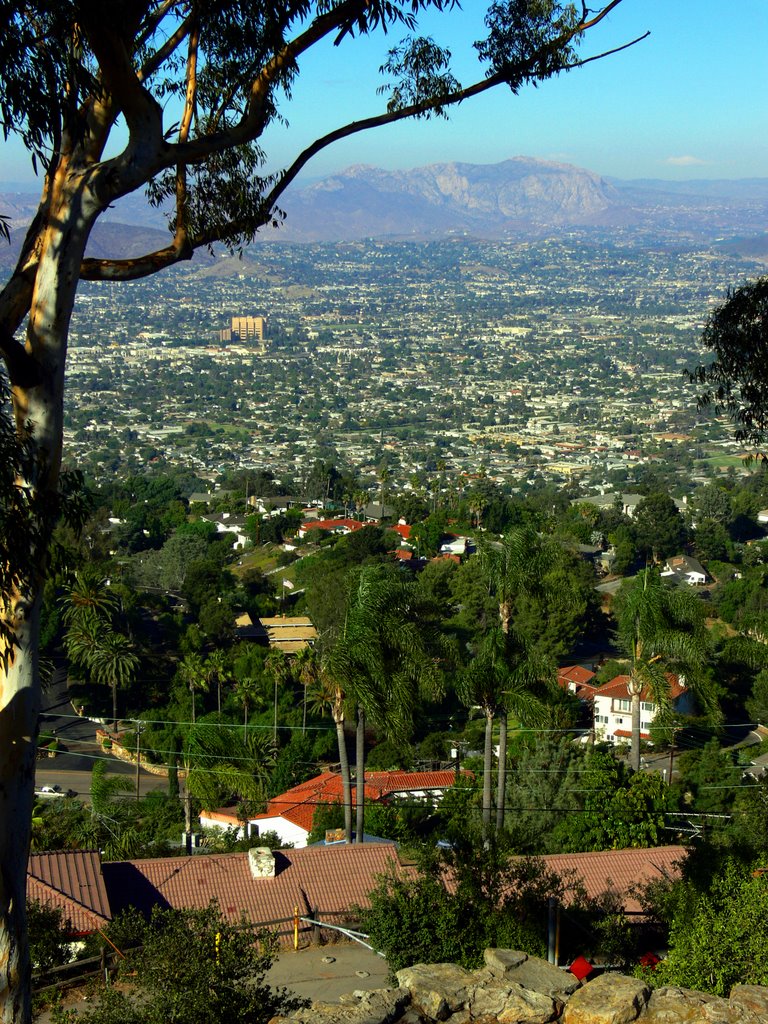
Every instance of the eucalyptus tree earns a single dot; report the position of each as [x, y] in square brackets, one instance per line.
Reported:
[661, 631]
[174, 96]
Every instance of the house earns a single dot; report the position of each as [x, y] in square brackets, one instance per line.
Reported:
[685, 569]
[374, 512]
[613, 709]
[576, 680]
[454, 544]
[627, 502]
[290, 815]
[288, 633]
[226, 522]
[342, 526]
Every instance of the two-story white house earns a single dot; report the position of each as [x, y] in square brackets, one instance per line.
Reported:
[613, 709]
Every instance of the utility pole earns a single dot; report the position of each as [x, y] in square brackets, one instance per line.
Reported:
[138, 755]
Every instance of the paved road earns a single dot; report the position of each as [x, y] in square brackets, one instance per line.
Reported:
[71, 768]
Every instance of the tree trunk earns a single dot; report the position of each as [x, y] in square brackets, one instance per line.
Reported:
[19, 710]
[360, 775]
[114, 704]
[487, 770]
[37, 388]
[501, 782]
[634, 757]
[346, 781]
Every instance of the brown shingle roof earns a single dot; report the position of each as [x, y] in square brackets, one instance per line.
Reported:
[330, 880]
[72, 882]
[619, 870]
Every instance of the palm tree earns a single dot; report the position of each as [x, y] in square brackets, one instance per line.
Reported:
[107, 655]
[503, 677]
[383, 656]
[192, 672]
[114, 662]
[220, 766]
[246, 694]
[661, 630]
[276, 664]
[514, 567]
[217, 670]
[327, 694]
[306, 665]
[87, 595]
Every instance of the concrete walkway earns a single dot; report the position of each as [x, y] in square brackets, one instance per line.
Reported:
[323, 973]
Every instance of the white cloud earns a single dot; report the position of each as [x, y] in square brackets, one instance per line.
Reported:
[685, 161]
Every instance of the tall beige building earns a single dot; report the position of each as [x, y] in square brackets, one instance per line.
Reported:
[245, 329]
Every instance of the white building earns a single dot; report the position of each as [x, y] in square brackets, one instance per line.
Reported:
[613, 709]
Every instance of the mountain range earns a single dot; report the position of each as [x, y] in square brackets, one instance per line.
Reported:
[515, 199]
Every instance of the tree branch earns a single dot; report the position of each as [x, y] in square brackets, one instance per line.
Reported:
[390, 117]
[182, 249]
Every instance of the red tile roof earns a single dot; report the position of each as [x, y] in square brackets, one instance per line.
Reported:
[626, 734]
[617, 687]
[403, 529]
[297, 805]
[332, 524]
[72, 882]
[328, 881]
[575, 674]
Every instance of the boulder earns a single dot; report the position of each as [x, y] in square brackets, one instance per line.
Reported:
[672, 1005]
[437, 990]
[753, 998]
[509, 1003]
[609, 999]
[531, 972]
[381, 1006]
[499, 961]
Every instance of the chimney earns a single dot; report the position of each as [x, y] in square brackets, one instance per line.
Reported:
[261, 861]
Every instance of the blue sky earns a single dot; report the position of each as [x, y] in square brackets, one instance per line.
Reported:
[691, 101]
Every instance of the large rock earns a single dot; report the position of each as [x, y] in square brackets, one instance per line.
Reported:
[508, 1003]
[531, 972]
[382, 1006]
[753, 998]
[672, 1005]
[609, 999]
[437, 990]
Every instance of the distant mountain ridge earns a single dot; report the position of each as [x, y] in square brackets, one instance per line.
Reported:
[517, 198]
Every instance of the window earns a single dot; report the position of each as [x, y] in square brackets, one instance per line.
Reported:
[648, 706]
[622, 705]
